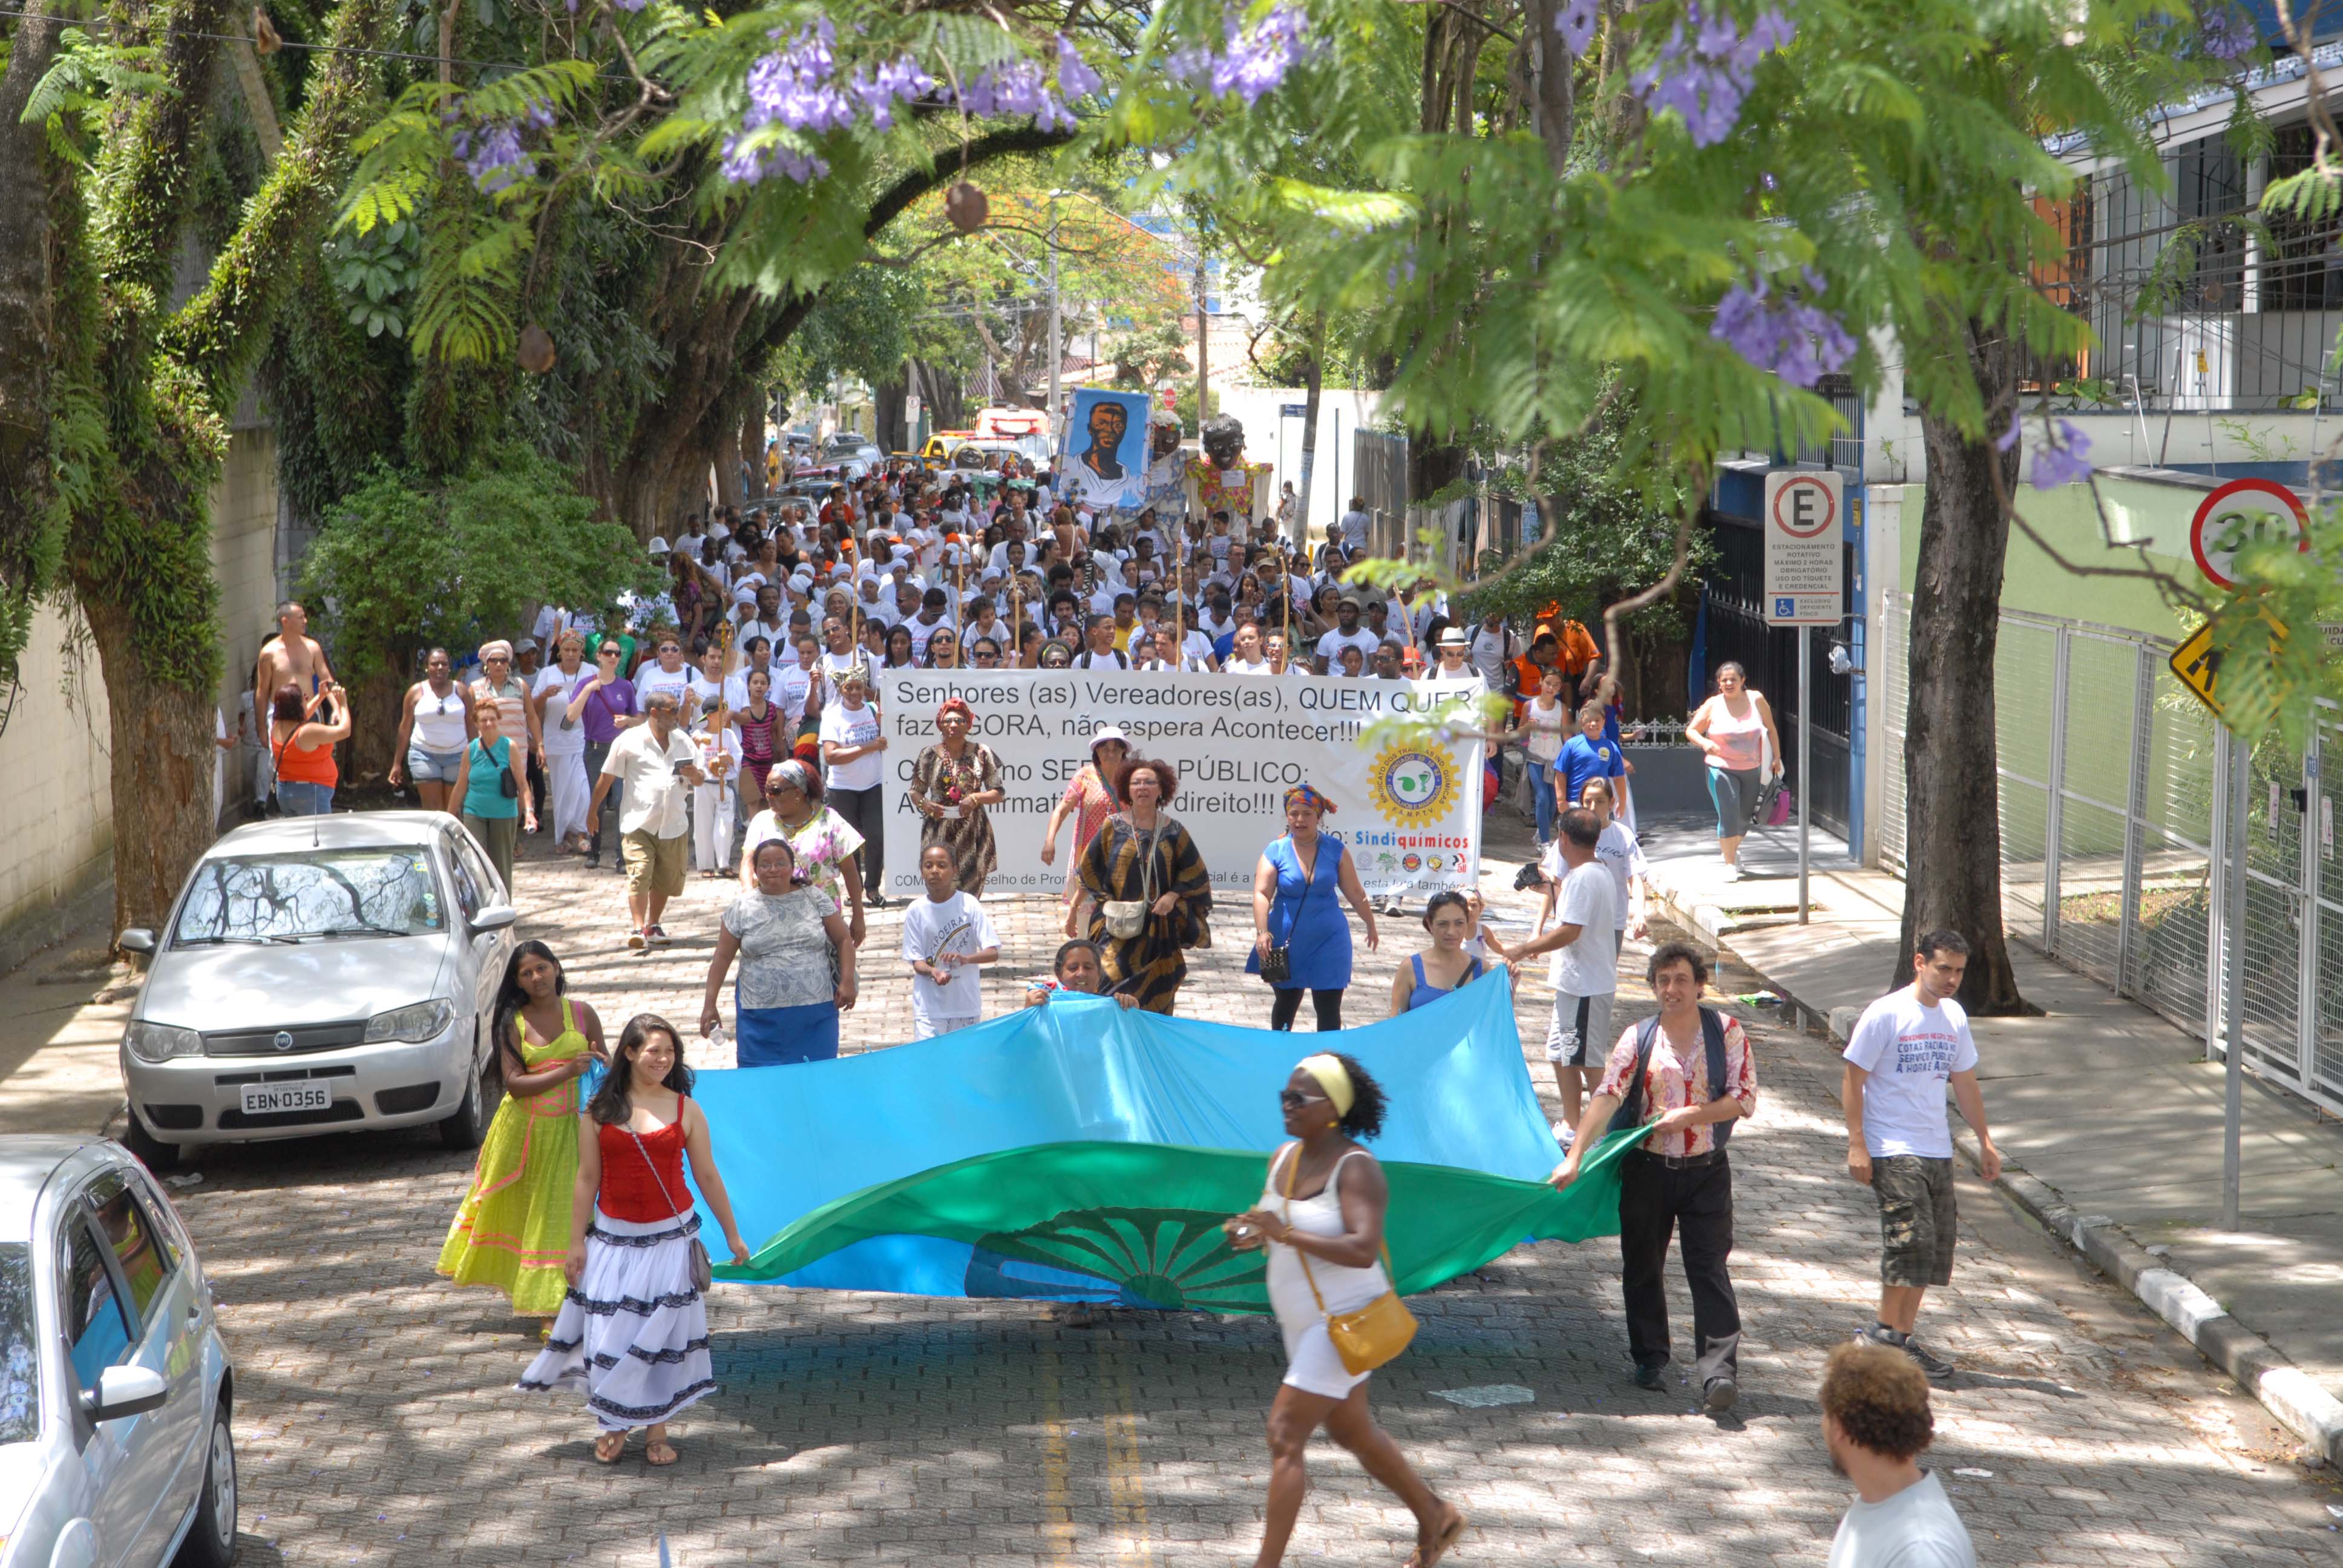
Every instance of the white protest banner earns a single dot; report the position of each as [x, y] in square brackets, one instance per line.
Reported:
[1409, 809]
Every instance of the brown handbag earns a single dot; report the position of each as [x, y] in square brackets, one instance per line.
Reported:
[1372, 1334]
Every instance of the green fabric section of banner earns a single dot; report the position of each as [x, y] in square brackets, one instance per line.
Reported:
[1145, 1218]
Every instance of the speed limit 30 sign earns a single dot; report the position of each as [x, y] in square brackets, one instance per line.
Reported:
[2240, 513]
[1804, 572]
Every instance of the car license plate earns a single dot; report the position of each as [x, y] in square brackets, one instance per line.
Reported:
[275, 1098]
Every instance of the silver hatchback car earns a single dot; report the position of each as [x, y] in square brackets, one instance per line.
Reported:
[115, 1388]
[318, 973]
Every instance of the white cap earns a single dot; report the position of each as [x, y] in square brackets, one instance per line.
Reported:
[658, 546]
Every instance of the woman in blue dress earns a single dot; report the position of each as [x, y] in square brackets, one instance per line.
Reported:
[1297, 909]
[1449, 966]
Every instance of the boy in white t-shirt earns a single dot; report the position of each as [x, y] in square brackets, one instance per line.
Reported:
[1585, 974]
[1902, 1052]
[946, 936]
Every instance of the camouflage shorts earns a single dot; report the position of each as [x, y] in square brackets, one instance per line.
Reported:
[1917, 1222]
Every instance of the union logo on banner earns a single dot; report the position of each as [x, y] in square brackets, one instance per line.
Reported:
[1413, 786]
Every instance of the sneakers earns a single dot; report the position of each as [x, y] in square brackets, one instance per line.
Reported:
[1720, 1395]
[638, 940]
[1927, 1361]
[656, 935]
[1562, 1134]
[1651, 1379]
[1938, 1367]
[1733, 873]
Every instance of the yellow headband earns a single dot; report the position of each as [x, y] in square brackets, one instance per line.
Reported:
[1333, 1078]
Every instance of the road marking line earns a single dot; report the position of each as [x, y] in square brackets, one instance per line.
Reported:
[1126, 1487]
[1057, 1497]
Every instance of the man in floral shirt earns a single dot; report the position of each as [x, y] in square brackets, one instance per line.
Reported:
[1677, 1178]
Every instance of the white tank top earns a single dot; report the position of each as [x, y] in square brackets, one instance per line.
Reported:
[440, 720]
[1346, 1290]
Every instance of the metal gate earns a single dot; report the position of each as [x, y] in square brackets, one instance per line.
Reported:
[2110, 871]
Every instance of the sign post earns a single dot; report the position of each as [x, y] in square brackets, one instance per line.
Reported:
[1805, 588]
[2197, 666]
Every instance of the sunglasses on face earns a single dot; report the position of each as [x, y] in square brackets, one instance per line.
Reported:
[1290, 1097]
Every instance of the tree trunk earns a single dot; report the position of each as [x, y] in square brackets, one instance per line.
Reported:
[729, 490]
[374, 726]
[752, 445]
[1313, 383]
[160, 774]
[1952, 800]
[888, 400]
[30, 180]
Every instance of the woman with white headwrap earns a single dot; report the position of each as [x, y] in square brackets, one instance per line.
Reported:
[1321, 1218]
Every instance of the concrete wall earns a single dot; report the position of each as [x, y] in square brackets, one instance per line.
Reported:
[57, 817]
[245, 565]
[57, 822]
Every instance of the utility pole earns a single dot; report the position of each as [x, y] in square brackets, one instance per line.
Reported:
[1056, 356]
[1203, 346]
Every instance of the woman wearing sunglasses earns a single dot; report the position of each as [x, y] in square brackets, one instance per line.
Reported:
[605, 706]
[435, 726]
[1320, 1216]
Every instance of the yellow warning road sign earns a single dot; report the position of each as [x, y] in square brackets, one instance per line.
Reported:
[2197, 663]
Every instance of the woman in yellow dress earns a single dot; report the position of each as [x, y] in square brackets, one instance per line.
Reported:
[512, 1234]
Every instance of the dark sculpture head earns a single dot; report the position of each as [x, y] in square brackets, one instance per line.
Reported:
[1224, 441]
[1164, 437]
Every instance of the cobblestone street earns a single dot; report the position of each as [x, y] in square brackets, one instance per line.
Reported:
[378, 1425]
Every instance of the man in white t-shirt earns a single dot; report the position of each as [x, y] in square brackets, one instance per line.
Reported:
[653, 765]
[1876, 1426]
[1493, 646]
[1347, 633]
[1899, 1142]
[946, 936]
[1584, 941]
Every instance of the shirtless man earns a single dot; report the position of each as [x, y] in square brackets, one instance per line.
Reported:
[294, 655]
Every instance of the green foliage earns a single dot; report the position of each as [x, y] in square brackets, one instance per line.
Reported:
[376, 272]
[407, 564]
[71, 99]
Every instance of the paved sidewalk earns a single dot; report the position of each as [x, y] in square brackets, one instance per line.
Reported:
[378, 1423]
[2100, 1099]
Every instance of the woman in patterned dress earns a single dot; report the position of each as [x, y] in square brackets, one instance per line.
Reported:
[1089, 799]
[512, 1230]
[826, 844]
[1144, 855]
[951, 784]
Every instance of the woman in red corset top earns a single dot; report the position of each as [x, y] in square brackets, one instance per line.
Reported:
[633, 1331]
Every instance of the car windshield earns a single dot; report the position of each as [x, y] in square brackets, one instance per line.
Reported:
[312, 894]
[20, 1369]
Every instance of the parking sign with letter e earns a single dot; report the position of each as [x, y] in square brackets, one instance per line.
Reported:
[1804, 522]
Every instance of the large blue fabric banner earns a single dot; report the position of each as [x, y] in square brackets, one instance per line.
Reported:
[806, 1150]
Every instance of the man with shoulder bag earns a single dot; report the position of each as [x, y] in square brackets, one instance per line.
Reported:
[1685, 1077]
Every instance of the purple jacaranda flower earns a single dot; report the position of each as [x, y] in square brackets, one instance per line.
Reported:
[1254, 60]
[1576, 22]
[2007, 438]
[1705, 79]
[2063, 459]
[494, 158]
[2226, 34]
[1798, 341]
[1075, 78]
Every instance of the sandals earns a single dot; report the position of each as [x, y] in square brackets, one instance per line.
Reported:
[660, 1451]
[608, 1446]
[1440, 1544]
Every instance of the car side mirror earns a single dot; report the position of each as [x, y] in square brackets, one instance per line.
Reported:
[495, 917]
[125, 1390]
[136, 939]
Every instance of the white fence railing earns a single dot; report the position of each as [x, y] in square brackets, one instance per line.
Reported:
[2111, 779]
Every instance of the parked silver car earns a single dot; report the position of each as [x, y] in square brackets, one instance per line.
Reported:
[321, 972]
[115, 1388]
